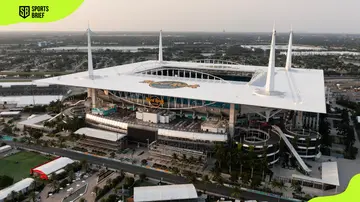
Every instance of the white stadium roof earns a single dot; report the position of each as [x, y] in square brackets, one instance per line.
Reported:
[271, 87]
[17, 187]
[54, 165]
[164, 193]
[100, 134]
[193, 135]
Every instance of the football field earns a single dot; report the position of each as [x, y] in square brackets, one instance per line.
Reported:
[18, 165]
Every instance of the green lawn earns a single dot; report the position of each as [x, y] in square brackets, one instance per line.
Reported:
[20, 170]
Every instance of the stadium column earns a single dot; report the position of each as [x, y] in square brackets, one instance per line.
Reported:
[299, 119]
[89, 92]
[232, 117]
[93, 98]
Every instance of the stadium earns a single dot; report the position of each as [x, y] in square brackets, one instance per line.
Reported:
[196, 105]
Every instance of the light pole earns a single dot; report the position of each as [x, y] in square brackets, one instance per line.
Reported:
[148, 143]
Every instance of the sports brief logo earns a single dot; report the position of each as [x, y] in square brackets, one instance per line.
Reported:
[24, 11]
[169, 84]
[34, 11]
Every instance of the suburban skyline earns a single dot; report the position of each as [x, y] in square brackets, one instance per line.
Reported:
[321, 16]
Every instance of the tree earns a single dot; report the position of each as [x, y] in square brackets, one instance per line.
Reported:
[234, 176]
[84, 165]
[5, 181]
[14, 195]
[82, 200]
[144, 162]
[245, 178]
[206, 180]
[112, 155]
[184, 158]
[255, 182]
[236, 192]
[32, 196]
[96, 190]
[71, 175]
[174, 157]
[142, 176]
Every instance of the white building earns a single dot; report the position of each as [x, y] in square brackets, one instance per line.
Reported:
[5, 148]
[21, 186]
[44, 171]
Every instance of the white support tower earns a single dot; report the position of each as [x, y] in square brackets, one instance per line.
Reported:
[289, 53]
[232, 120]
[90, 61]
[160, 47]
[269, 87]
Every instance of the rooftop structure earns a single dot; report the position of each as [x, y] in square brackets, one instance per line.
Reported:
[165, 193]
[22, 101]
[20, 186]
[34, 121]
[44, 171]
[100, 134]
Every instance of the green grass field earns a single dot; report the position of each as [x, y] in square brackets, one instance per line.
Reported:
[20, 170]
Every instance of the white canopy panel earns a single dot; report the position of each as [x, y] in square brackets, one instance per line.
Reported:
[193, 135]
[300, 89]
[54, 165]
[330, 173]
[165, 193]
[100, 134]
[17, 187]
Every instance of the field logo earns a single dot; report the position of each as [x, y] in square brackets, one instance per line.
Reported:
[169, 84]
[24, 11]
[155, 101]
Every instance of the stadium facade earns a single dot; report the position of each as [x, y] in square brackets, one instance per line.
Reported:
[195, 105]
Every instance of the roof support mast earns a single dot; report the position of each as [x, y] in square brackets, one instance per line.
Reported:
[90, 61]
[160, 47]
[269, 87]
[289, 52]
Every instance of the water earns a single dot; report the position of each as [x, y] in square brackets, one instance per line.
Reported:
[7, 138]
[285, 47]
[102, 48]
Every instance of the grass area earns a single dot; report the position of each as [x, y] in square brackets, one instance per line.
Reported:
[18, 165]
[15, 80]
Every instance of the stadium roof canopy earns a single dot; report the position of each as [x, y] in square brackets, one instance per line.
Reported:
[270, 87]
[100, 134]
[165, 193]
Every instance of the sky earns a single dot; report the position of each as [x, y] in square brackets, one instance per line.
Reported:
[310, 16]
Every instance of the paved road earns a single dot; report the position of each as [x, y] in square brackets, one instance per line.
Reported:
[221, 190]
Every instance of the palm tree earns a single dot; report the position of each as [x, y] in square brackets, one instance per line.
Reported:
[32, 196]
[236, 192]
[54, 185]
[184, 158]
[96, 189]
[174, 156]
[84, 165]
[14, 194]
[206, 180]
